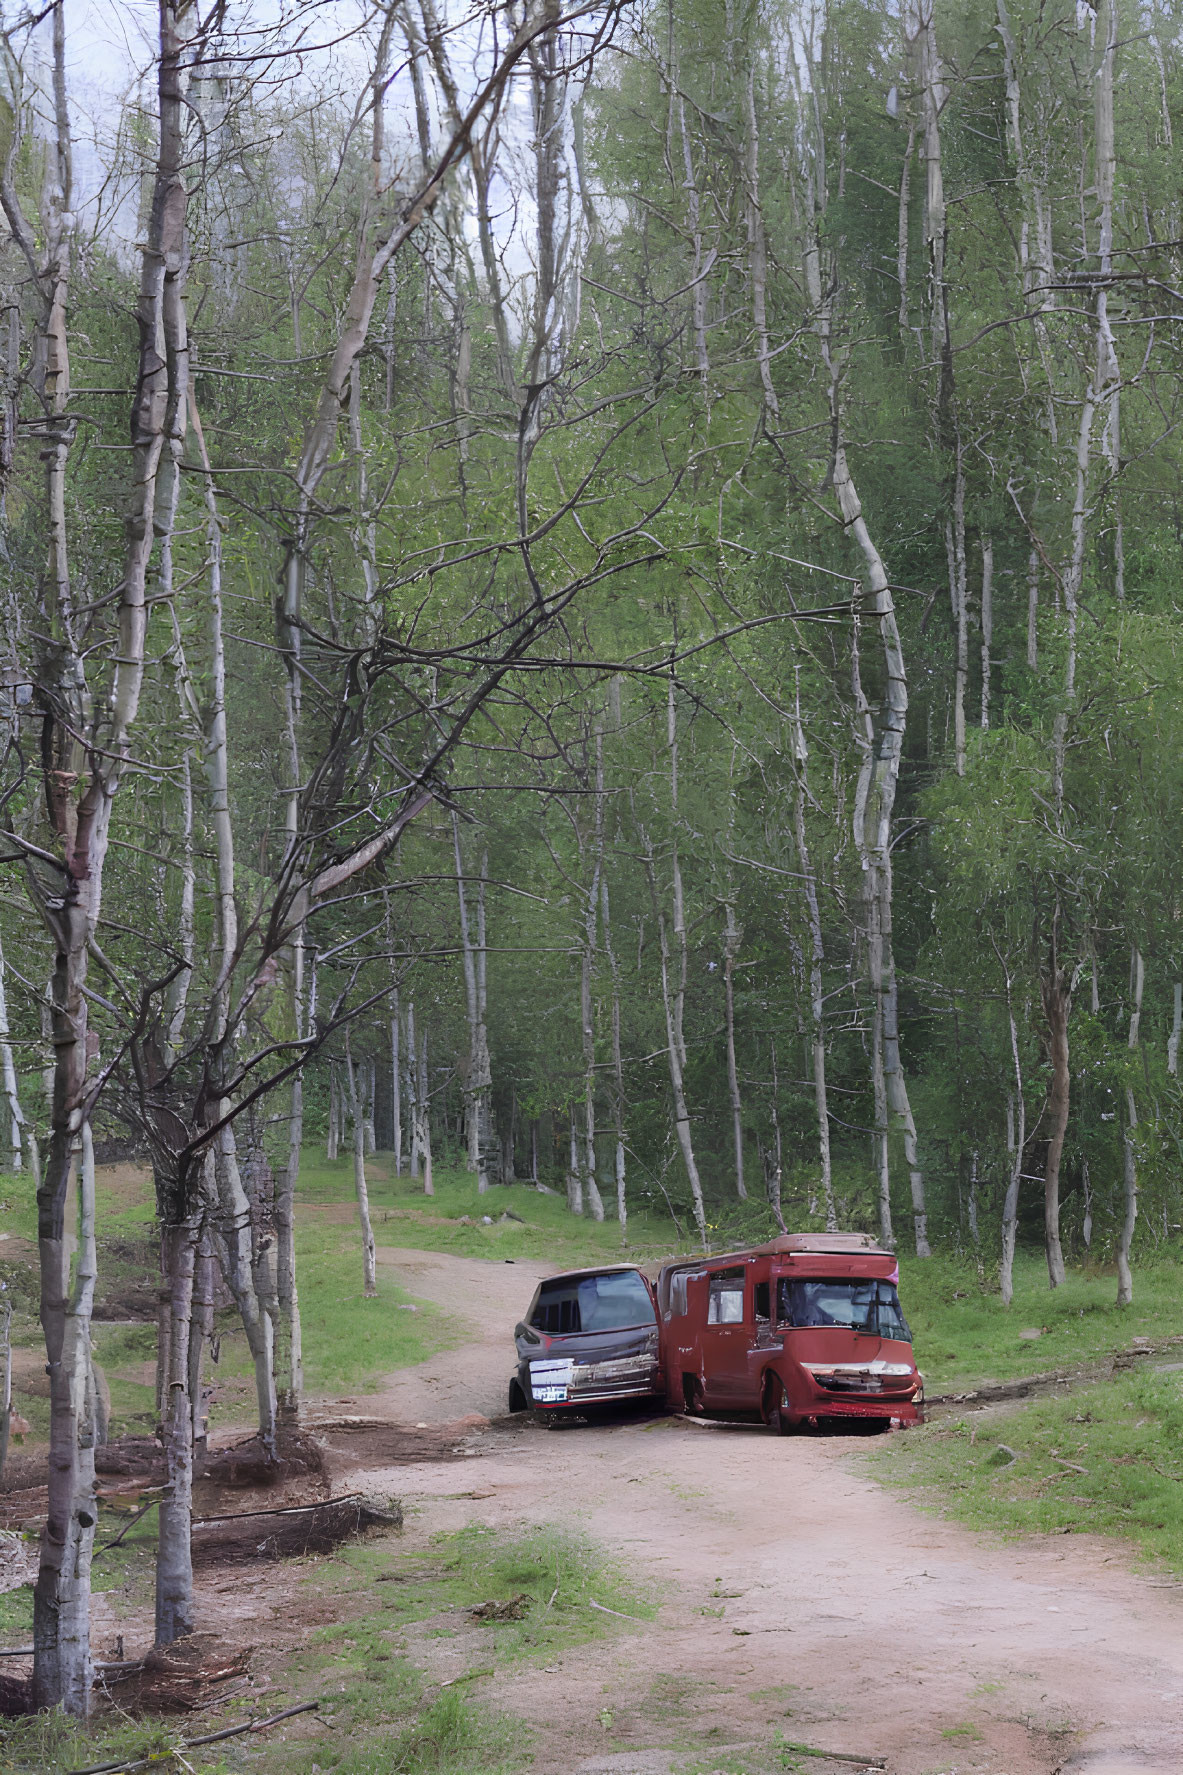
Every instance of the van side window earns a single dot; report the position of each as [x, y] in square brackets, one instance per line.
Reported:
[725, 1306]
[763, 1310]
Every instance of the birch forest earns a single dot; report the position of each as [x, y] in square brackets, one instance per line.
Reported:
[589, 594]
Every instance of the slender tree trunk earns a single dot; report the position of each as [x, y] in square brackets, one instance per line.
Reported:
[774, 1172]
[423, 1103]
[1057, 1006]
[334, 1114]
[175, 1616]
[479, 1082]
[757, 245]
[5, 1379]
[413, 1094]
[232, 1228]
[1176, 1031]
[1010, 1206]
[369, 1083]
[595, 1201]
[959, 597]
[902, 228]
[574, 1169]
[1125, 1279]
[987, 622]
[816, 965]
[200, 1336]
[396, 1088]
[669, 999]
[614, 971]
[357, 1112]
[16, 1120]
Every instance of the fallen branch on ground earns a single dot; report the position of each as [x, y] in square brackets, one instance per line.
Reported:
[192, 1743]
[348, 1497]
[833, 1756]
[640, 1619]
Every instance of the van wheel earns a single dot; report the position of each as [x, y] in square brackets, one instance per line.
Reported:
[517, 1398]
[775, 1407]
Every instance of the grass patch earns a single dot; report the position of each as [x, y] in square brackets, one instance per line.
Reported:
[1107, 1459]
[546, 1229]
[964, 1334]
[351, 1342]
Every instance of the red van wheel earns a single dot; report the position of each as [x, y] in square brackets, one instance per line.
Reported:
[775, 1407]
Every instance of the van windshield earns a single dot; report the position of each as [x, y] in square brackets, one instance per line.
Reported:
[856, 1305]
[593, 1303]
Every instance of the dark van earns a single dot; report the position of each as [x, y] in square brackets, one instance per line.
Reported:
[588, 1341]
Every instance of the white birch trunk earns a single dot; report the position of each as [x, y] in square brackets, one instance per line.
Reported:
[368, 1252]
[817, 959]
[1010, 1206]
[595, 1201]
[396, 1088]
[16, 1120]
[1125, 1278]
[987, 622]
[479, 1081]
[423, 1109]
[413, 1094]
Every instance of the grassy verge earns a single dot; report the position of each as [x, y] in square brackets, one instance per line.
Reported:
[379, 1714]
[454, 1218]
[964, 1334]
[1107, 1459]
[350, 1341]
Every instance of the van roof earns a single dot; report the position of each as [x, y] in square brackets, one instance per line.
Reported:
[790, 1245]
[599, 1269]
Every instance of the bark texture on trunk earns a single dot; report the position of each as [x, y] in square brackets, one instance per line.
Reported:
[175, 1614]
[817, 957]
[361, 1187]
[1057, 1006]
[1017, 1132]
[478, 1084]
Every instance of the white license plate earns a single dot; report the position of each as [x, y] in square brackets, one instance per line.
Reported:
[550, 1381]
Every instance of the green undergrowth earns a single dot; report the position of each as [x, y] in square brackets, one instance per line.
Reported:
[964, 1334]
[1106, 1459]
[454, 1218]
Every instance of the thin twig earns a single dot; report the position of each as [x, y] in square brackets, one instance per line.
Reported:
[620, 1617]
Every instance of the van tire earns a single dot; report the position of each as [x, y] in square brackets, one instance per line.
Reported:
[775, 1408]
[517, 1398]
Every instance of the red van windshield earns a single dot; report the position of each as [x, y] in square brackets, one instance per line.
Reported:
[850, 1302]
[593, 1303]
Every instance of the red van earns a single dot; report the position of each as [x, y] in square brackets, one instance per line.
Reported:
[804, 1329]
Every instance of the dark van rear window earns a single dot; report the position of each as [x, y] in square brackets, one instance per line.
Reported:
[593, 1303]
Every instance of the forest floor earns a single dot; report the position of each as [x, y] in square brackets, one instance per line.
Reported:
[673, 1598]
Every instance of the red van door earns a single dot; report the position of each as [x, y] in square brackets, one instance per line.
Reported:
[726, 1338]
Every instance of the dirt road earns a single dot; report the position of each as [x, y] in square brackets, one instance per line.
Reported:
[796, 1593]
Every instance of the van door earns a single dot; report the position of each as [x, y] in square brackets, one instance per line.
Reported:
[726, 1338]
